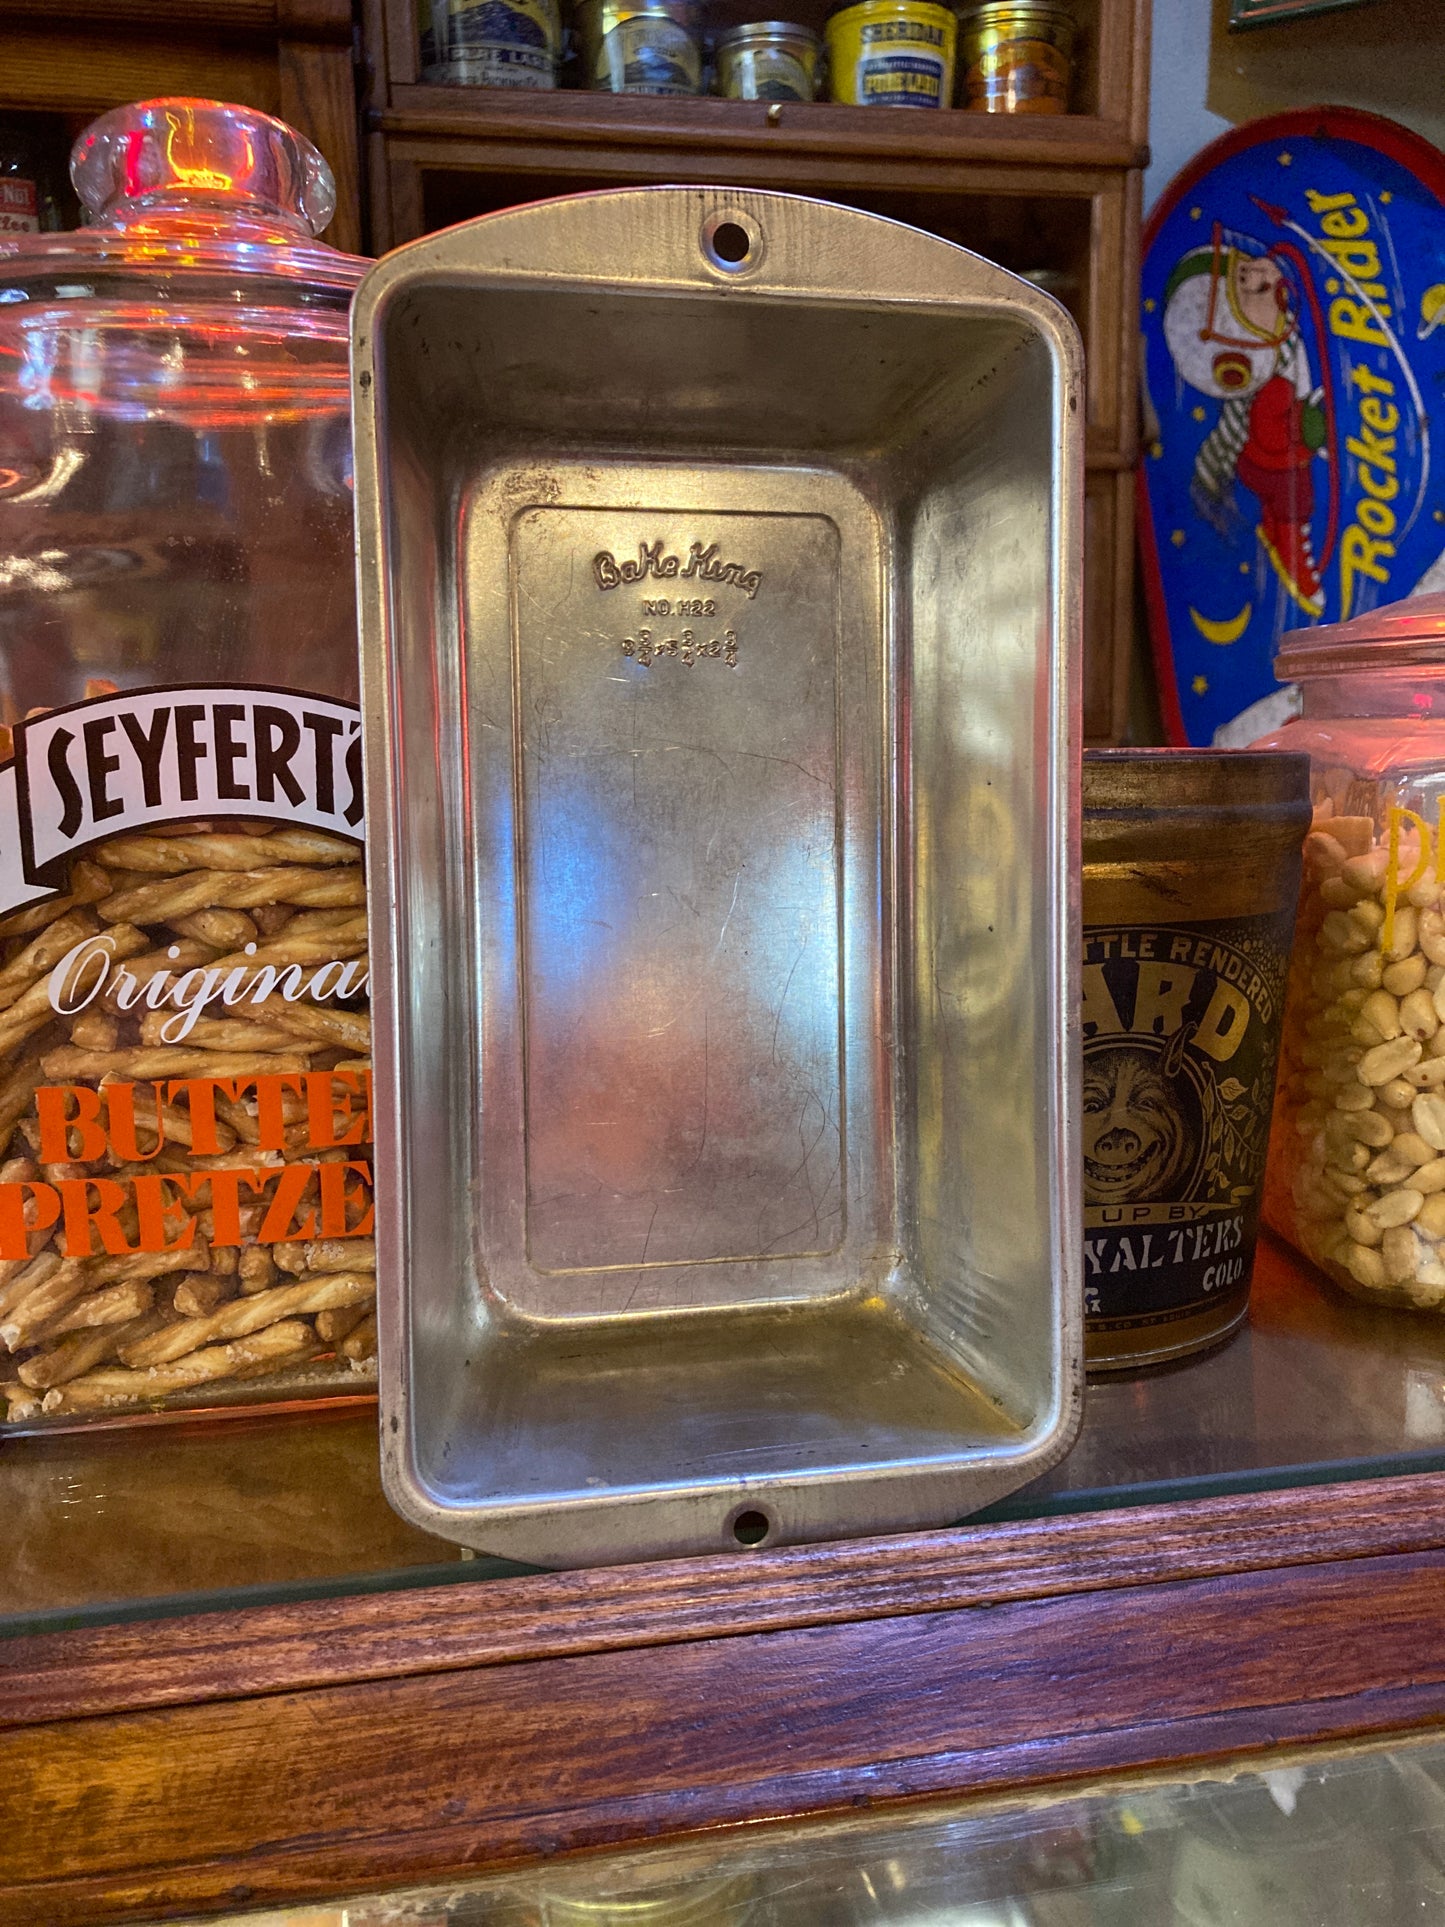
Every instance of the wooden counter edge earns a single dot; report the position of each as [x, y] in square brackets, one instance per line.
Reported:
[282, 1648]
[295, 1796]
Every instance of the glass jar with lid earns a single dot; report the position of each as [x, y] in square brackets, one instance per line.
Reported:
[185, 1205]
[1357, 1153]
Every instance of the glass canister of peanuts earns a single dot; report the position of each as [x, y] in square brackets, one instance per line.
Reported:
[185, 1044]
[1357, 1152]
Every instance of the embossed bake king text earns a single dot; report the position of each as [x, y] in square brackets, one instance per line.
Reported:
[701, 562]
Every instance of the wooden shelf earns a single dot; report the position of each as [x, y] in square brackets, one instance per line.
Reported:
[707, 127]
[262, 1510]
[263, 19]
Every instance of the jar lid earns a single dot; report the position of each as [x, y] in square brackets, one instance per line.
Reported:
[198, 294]
[1167, 779]
[767, 30]
[988, 13]
[1393, 636]
[926, 10]
[194, 185]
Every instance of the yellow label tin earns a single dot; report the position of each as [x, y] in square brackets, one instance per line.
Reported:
[892, 53]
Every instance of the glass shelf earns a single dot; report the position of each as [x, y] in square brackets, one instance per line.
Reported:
[1304, 1840]
[231, 1512]
[1315, 1387]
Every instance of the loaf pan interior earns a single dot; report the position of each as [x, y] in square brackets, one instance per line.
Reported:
[716, 659]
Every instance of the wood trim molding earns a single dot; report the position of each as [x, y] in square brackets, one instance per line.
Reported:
[106, 1670]
[254, 19]
[318, 98]
[710, 125]
[297, 1795]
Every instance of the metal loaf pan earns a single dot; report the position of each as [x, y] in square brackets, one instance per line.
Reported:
[719, 588]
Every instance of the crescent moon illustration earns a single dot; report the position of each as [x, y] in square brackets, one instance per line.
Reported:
[1229, 630]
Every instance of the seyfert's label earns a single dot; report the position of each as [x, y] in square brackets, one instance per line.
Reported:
[185, 1047]
[1181, 1034]
[141, 758]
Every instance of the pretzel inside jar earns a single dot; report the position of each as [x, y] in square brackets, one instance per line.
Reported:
[185, 1119]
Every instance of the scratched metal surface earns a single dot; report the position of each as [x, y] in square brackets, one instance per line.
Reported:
[717, 629]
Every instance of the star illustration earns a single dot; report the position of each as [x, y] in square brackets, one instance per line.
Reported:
[1150, 304]
[1198, 414]
[1177, 538]
[1285, 159]
[1196, 213]
[1200, 685]
[1156, 449]
[1387, 195]
[1244, 568]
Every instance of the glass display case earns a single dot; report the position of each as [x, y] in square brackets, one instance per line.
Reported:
[1242, 1554]
[1298, 1840]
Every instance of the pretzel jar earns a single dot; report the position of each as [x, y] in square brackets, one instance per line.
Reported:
[1357, 1154]
[185, 1201]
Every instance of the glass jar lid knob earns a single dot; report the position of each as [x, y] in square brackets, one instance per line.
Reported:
[137, 162]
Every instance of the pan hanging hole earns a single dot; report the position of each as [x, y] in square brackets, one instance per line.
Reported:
[751, 1527]
[730, 244]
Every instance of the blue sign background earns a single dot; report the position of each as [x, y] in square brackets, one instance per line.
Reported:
[1294, 371]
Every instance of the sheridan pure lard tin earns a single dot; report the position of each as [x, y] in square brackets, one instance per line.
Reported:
[891, 53]
[654, 47]
[768, 60]
[719, 631]
[1191, 882]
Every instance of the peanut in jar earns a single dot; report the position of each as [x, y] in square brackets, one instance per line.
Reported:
[1357, 1162]
[1356, 1177]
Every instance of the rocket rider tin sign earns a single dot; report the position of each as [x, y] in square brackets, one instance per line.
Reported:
[1294, 375]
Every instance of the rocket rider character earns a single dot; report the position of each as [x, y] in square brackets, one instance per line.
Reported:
[1234, 335]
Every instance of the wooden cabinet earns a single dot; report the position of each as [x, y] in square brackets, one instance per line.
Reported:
[292, 58]
[1054, 197]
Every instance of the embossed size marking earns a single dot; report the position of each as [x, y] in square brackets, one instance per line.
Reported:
[645, 647]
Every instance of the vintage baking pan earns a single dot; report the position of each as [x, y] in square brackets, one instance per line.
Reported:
[719, 570]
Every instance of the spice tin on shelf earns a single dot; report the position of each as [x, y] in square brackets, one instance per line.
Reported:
[768, 60]
[654, 47]
[724, 815]
[1016, 57]
[490, 43]
[1191, 880]
[891, 53]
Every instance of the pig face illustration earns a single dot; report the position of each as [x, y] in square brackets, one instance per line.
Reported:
[1137, 1142]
